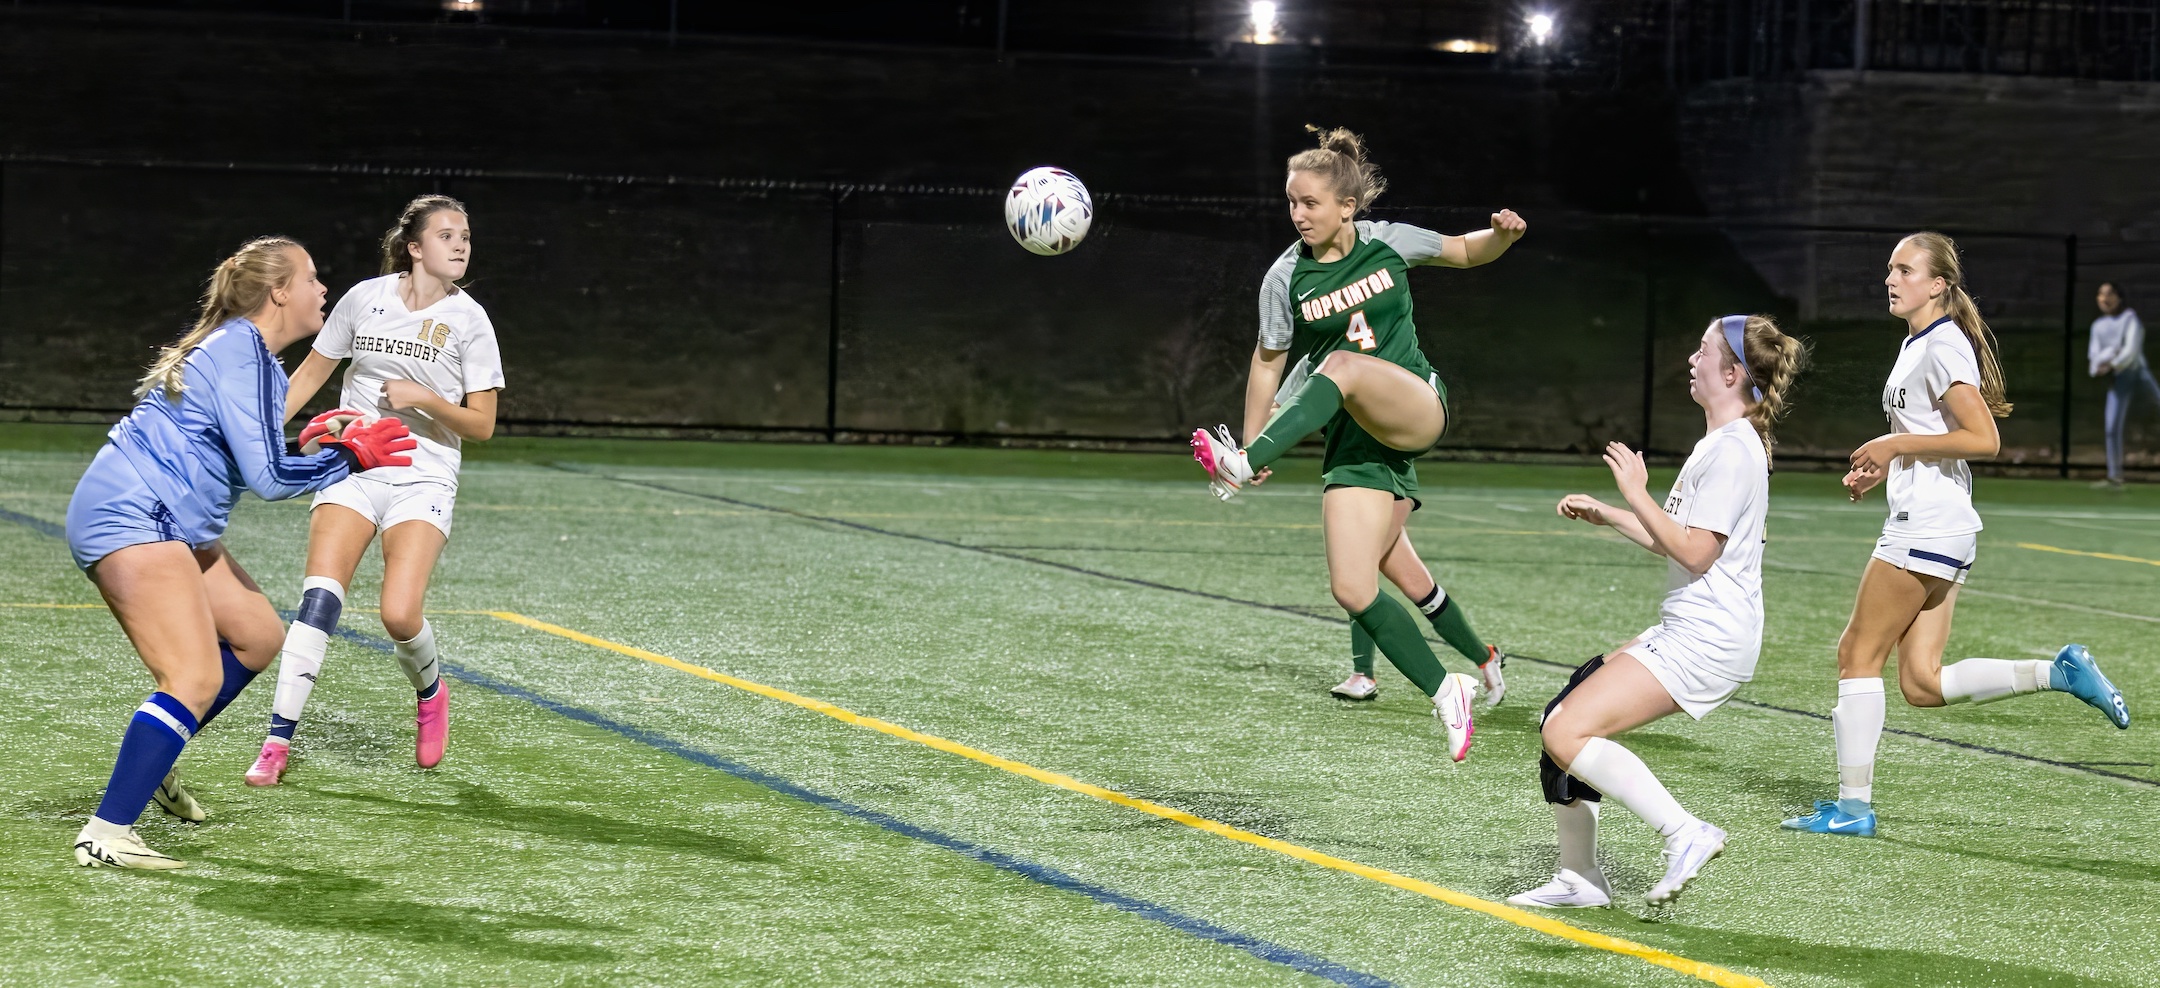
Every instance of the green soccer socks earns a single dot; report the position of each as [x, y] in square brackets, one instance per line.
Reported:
[1448, 619]
[1316, 401]
[1396, 634]
[1361, 650]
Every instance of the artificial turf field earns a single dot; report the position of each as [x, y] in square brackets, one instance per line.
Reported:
[915, 716]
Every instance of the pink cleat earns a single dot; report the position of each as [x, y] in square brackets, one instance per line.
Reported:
[434, 723]
[1226, 466]
[270, 765]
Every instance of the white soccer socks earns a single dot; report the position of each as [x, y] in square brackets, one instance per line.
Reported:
[1578, 884]
[1988, 680]
[1576, 824]
[322, 600]
[1616, 772]
[417, 657]
[1857, 722]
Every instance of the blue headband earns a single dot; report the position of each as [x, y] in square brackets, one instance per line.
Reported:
[1736, 338]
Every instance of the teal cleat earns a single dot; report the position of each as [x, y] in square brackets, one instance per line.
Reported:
[2078, 675]
[1849, 817]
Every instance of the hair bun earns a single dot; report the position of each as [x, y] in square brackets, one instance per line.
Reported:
[1340, 159]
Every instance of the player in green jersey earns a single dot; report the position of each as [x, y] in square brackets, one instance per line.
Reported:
[1340, 298]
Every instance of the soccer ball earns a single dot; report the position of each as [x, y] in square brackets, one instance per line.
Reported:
[1048, 211]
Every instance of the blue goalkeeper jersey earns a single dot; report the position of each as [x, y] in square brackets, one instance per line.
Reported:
[225, 434]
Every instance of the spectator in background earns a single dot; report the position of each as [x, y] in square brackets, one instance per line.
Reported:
[2118, 348]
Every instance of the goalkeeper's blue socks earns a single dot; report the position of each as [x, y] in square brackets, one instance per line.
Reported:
[237, 678]
[155, 736]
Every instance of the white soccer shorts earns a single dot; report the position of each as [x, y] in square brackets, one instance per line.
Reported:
[1950, 558]
[387, 506]
[1681, 666]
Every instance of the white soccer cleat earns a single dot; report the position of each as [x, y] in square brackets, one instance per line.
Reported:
[1358, 687]
[174, 799]
[1224, 462]
[1567, 890]
[1452, 706]
[1686, 852]
[120, 849]
[1495, 683]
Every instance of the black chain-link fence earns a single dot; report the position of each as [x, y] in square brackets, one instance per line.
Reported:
[661, 306]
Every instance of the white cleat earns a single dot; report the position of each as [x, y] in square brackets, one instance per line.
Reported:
[174, 799]
[1567, 890]
[1224, 462]
[1686, 852]
[1358, 687]
[119, 849]
[1452, 706]
[1495, 683]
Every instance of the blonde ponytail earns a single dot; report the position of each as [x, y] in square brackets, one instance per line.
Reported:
[1340, 160]
[1943, 262]
[1774, 360]
[241, 284]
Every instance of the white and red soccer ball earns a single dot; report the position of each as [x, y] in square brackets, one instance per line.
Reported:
[1048, 211]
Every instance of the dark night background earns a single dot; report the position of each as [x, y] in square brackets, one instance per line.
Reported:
[686, 209]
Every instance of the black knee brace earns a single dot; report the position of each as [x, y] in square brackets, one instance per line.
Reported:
[1559, 786]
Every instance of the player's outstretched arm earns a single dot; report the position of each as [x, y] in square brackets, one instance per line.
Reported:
[1261, 381]
[1583, 507]
[1483, 246]
[306, 381]
[1694, 549]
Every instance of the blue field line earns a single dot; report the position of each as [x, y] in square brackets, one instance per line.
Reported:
[38, 525]
[1273, 953]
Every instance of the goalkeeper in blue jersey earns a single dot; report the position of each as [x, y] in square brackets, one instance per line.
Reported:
[146, 520]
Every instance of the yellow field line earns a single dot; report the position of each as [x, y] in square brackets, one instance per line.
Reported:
[1551, 927]
[100, 607]
[2096, 555]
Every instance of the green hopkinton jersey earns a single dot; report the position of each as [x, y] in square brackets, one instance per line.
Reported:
[1359, 303]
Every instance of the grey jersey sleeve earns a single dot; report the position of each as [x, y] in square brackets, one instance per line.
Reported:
[1416, 244]
[1276, 330]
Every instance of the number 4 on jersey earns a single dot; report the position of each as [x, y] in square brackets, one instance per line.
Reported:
[1360, 333]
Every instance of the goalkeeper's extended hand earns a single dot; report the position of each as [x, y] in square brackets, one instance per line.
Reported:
[326, 424]
[381, 443]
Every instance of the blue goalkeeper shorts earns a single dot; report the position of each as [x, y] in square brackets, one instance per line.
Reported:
[113, 509]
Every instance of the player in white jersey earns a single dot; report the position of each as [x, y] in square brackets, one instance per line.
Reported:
[1709, 630]
[422, 347]
[1943, 397]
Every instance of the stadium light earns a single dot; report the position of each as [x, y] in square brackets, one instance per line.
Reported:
[1541, 26]
[1263, 22]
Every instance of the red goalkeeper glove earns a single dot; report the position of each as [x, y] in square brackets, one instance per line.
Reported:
[381, 443]
[324, 425]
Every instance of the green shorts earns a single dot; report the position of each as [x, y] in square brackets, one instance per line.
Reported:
[1353, 458]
